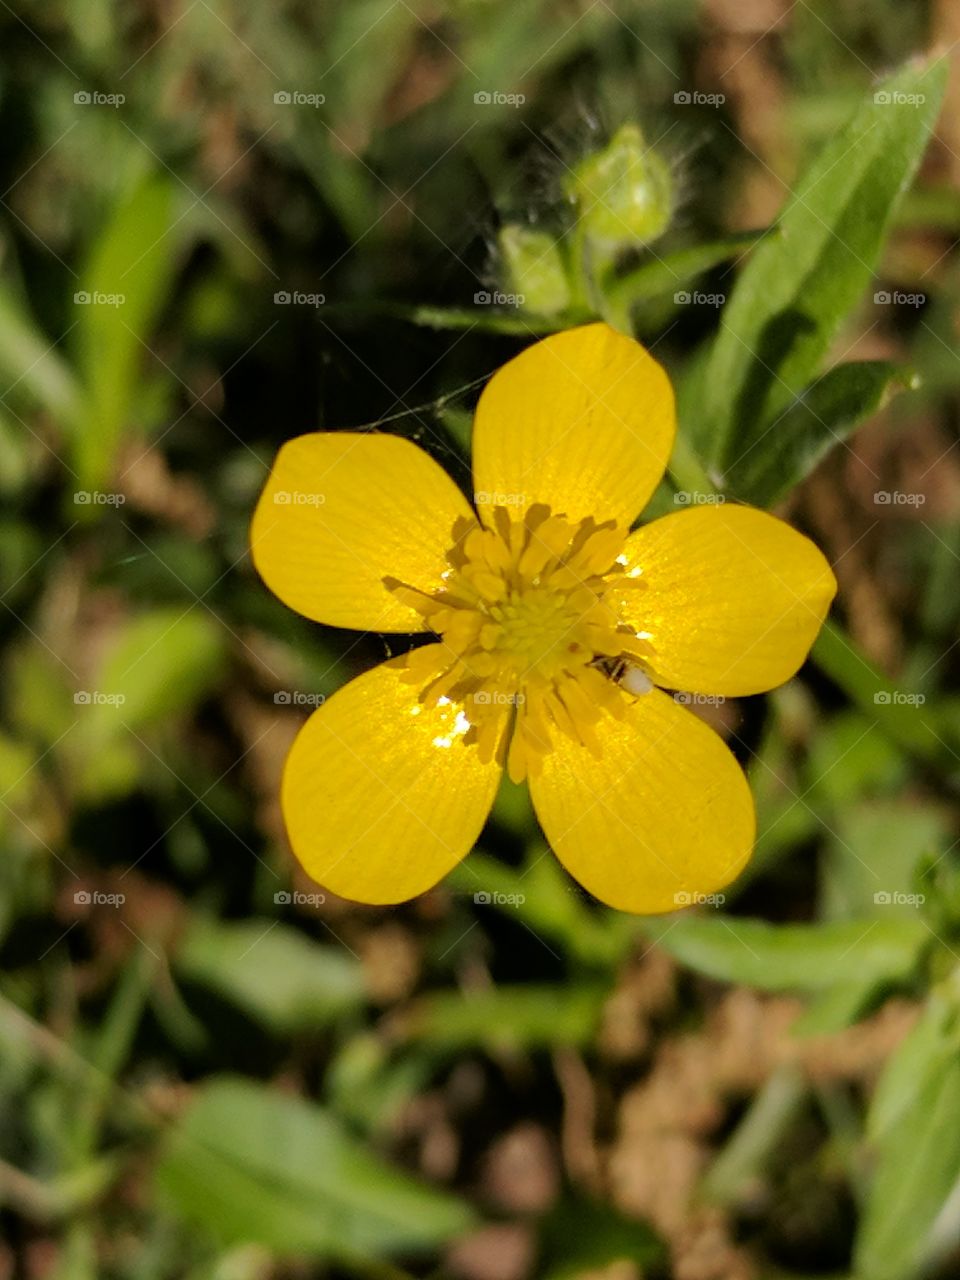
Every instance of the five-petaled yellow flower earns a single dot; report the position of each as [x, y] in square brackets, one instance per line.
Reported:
[555, 629]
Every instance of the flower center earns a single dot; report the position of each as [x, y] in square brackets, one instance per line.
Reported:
[530, 617]
[536, 627]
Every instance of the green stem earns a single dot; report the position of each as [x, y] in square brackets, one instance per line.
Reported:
[113, 1047]
[582, 284]
[904, 722]
[687, 471]
[745, 1156]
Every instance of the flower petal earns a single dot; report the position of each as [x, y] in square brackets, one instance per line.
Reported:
[733, 598]
[662, 816]
[380, 797]
[341, 512]
[583, 421]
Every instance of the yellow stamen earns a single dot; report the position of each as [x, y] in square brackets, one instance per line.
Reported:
[531, 615]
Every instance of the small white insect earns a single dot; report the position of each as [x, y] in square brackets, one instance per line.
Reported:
[623, 672]
[635, 680]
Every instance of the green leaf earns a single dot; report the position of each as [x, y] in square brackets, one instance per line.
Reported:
[486, 318]
[377, 31]
[747, 1157]
[794, 957]
[544, 899]
[918, 1166]
[580, 1237]
[160, 664]
[847, 761]
[254, 1165]
[822, 416]
[906, 722]
[507, 1017]
[22, 549]
[835, 1008]
[783, 821]
[37, 374]
[272, 972]
[798, 288]
[369, 1084]
[650, 280]
[920, 1057]
[36, 694]
[874, 851]
[125, 283]
[669, 272]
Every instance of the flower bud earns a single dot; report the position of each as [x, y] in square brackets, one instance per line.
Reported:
[534, 269]
[624, 192]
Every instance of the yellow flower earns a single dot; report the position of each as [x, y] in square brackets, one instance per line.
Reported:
[555, 631]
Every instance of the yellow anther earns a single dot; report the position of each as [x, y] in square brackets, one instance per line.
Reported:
[531, 615]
